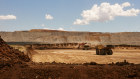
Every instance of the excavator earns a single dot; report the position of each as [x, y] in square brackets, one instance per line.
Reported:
[84, 46]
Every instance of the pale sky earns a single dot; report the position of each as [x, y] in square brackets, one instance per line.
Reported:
[70, 15]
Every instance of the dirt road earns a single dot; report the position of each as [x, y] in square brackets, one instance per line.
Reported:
[82, 56]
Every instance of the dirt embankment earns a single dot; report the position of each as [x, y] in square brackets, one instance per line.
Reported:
[70, 71]
[10, 56]
[82, 72]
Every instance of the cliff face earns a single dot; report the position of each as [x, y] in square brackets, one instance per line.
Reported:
[129, 38]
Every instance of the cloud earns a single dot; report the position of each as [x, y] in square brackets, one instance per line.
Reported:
[42, 25]
[105, 12]
[7, 17]
[48, 17]
[126, 4]
[47, 28]
[60, 28]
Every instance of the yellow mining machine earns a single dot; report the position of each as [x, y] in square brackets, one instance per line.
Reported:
[104, 50]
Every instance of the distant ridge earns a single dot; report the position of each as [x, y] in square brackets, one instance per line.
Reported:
[45, 36]
[44, 30]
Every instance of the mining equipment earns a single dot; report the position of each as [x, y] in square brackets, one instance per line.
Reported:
[85, 46]
[104, 50]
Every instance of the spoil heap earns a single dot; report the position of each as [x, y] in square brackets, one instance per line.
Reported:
[10, 56]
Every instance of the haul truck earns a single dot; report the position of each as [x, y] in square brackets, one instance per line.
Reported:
[104, 50]
[100, 49]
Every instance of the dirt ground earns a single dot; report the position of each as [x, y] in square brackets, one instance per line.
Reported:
[82, 56]
[67, 71]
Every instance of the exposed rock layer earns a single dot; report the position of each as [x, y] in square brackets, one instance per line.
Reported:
[95, 38]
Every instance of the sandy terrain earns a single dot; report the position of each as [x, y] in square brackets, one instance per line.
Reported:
[82, 56]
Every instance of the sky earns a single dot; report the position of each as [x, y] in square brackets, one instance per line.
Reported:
[70, 15]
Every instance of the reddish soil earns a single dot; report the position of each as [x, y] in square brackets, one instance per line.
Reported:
[10, 56]
[59, 71]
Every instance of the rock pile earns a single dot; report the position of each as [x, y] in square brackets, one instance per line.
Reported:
[10, 56]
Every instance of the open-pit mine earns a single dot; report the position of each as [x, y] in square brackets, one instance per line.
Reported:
[66, 46]
[47, 54]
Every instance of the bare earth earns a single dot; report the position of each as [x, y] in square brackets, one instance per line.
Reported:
[82, 56]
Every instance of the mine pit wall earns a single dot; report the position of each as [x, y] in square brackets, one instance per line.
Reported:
[51, 37]
[56, 46]
[72, 39]
[125, 38]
